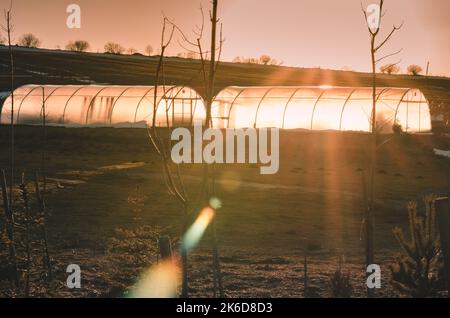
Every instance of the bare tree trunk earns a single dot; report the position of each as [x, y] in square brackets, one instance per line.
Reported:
[369, 217]
[374, 48]
[184, 257]
[44, 144]
[42, 209]
[11, 63]
[208, 179]
[208, 174]
[212, 64]
[24, 194]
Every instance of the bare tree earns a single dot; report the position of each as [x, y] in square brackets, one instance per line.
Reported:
[389, 69]
[275, 62]
[114, 48]
[237, 59]
[374, 27]
[172, 176]
[78, 46]
[29, 40]
[265, 59]
[208, 68]
[8, 28]
[149, 50]
[131, 51]
[414, 70]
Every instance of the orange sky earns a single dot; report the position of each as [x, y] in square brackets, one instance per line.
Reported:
[309, 33]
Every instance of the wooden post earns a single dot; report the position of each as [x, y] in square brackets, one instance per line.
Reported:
[443, 217]
[165, 247]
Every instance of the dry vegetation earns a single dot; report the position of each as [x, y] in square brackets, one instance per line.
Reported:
[108, 204]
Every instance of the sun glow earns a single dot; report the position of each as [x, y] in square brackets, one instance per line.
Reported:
[160, 281]
[196, 231]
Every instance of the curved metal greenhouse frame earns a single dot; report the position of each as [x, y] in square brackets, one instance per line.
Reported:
[100, 106]
[321, 108]
[292, 107]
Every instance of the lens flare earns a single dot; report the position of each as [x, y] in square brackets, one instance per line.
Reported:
[215, 203]
[160, 281]
[196, 231]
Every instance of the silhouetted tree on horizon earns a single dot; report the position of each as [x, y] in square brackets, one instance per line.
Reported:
[29, 40]
[265, 59]
[414, 70]
[114, 48]
[78, 46]
[149, 50]
[389, 69]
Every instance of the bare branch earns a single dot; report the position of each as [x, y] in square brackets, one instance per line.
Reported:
[220, 47]
[388, 55]
[394, 29]
[200, 33]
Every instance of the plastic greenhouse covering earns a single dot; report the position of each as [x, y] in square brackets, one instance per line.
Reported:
[321, 108]
[126, 106]
[311, 108]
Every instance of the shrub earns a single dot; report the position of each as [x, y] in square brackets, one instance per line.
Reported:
[397, 128]
[340, 283]
[419, 272]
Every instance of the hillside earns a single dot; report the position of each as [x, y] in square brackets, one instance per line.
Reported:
[60, 67]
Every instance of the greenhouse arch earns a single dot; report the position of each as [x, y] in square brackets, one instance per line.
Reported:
[321, 108]
[286, 107]
[104, 106]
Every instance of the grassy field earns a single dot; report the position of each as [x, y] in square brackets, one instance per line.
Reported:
[109, 203]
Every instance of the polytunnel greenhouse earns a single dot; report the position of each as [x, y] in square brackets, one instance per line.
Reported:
[311, 108]
[123, 106]
[321, 108]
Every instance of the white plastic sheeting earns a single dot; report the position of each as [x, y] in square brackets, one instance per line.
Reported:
[302, 107]
[125, 106]
[321, 108]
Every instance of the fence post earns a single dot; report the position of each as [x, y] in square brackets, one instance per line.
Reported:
[443, 217]
[165, 247]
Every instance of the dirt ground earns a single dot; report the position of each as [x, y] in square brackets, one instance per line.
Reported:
[108, 205]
